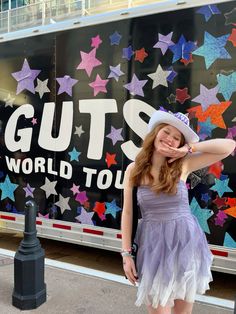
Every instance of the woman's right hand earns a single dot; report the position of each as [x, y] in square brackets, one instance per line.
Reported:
[130, 269]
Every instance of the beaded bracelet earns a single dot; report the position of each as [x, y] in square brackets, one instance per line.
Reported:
[190, 148]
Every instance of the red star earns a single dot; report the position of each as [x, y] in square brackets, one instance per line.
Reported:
[110, 159]
[220, 202]
[231, 201]
[213, 111]
[140, 55]
[186, 62]
[99, 208]
[182, 95]
[216, 169]
[232, 37]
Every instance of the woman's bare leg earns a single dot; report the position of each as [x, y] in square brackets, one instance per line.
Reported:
[159, 310]
[182, 307]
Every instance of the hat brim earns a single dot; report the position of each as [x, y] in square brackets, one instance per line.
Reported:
[164, 117]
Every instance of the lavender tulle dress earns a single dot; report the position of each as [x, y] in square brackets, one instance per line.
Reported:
[173, 260]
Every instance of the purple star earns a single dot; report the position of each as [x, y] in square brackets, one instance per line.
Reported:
[115, 38]
[115, 135]
[207, 97]
[164, 42]
[81, 197]
[66, 84]
[25, 78]
[136, 86]
[115, 72]
[85, 217]
[29, 190]
[127, 53]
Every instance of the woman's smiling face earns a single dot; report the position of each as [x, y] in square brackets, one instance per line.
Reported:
[168, 135]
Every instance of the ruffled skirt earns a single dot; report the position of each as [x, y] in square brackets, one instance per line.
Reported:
[173, 261]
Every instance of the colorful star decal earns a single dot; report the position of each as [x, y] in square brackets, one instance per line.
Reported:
[207, 96]
[75, 189]
[63, 203]
[85, 217]
[140, 55]
[229, 241]
[231, 201]
[99, 208]
[206, 127]
[9, 101]
[8, 188]
[182, 95]
[74, 154]
[202, 214]
[221, 187]
[34, 121]
[231, 211]
[231, 132]
[205, 197]
[216, 169]
[66, 83]
[182, 49]
[171, 99]
[232, 37]
[214, 112]
[230, 17]
[136, 86]
[81, 197]
[110, 159]
[213, 49]
[25, 78]
[49, 187]
[115, 38]
[187, 61]
[172, 75]
[220, 201]
[220, 218]
[99, 85]
[43, 216]
[115, 135]
[164, 42]
[89, 61]
[78, 130]
[208, 11]
[159, 77]
[115, 72]
[227, 84]
[112, 208]
[42, 87]
[127, 53]
[96, 41]
[29, 190]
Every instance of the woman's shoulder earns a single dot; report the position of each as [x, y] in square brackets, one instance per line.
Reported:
[130, 166]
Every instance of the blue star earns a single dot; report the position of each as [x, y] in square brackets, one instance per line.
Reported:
[74, 154]
[208, 11]
[221, 186]
[205, 197]
[172, 75]
[8, 189]
[127, 53]
[223, 177]
[213, 48]
[115, 38]
[206, 127]
[202, 215]
[229, 241]
[183, 49]
[112, 208]
[227, 84]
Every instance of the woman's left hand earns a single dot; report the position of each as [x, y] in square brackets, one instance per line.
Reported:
[176, 153]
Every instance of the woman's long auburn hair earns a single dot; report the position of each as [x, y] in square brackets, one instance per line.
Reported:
[169, 173]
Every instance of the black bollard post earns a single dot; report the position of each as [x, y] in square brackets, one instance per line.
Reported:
[29, 287]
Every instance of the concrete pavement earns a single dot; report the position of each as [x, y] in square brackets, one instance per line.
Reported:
[72, 290]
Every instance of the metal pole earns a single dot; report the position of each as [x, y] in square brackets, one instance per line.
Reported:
[29, 288]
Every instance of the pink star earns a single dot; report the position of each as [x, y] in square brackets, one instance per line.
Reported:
[89, 61]
[75, 189]
[81, 197]
[99, 85]
[96, 41]
[34, 121]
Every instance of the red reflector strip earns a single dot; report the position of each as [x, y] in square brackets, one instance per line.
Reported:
[97, 232]
[220, 253]
[61, 226]
[119, 236]
[7, 217]
[38, 222]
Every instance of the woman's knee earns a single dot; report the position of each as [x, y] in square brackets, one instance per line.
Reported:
[182, 307]
[159, 310]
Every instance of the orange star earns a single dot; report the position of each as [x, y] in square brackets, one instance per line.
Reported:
[140, 55]
[186, 62]
[182, 95]
[231, 211]
[214, 111]
[216, 169]
[99, 208]
[110, 159]
[231, 201]
[232, 37]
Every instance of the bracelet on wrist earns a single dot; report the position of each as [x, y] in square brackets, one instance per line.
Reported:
[190, 148]
[126, 253]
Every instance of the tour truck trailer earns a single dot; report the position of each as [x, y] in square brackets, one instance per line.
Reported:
[75, 100]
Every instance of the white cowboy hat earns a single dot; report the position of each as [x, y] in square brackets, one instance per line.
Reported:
[179, 120]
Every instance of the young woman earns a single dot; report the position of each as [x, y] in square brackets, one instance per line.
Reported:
[173, 260]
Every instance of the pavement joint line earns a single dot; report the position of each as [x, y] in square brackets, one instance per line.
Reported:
[207, 300]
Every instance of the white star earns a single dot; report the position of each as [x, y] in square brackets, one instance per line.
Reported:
[159, 77]
[9, 101]
[42, 88]
[79, 130]
[49, 187]
[63, 203]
